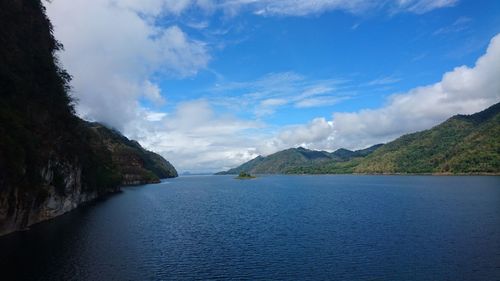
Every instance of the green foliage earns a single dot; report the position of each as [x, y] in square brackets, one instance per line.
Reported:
[303, 161]
[34, 105]
[245, 175]
[129, 156]
[38, 128]
[332, 167]
[463, 144]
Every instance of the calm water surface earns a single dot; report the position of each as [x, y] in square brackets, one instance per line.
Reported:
[273, 228]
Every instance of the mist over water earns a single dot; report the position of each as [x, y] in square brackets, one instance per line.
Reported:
[272, 227]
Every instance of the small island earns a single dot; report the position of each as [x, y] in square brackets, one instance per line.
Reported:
[245, 176]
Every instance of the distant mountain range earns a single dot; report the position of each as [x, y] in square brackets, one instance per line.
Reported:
[294, 160]
[464, 144]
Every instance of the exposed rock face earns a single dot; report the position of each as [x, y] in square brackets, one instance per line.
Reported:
[20, 208]
[63, 185]
[60, 190]
[50, 160]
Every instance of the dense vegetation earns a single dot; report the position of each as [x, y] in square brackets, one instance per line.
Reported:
[245, 175]
[37, 121]
[302, 161]
[133, 163]
[34, 105]
[464, 144]
[44, 147]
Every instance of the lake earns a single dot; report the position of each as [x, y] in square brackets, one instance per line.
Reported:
[343, 227]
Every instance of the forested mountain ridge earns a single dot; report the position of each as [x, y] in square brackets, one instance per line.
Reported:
[463, 144]
[51, 161]
[135, 164]
[298, 160]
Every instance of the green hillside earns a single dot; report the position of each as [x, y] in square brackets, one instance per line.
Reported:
[133, 163]
[298, 160]
[464, 144]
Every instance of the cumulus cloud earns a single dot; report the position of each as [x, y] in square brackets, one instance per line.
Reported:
[112, 50]
[464, 90]
[197, 138]
[316, 134]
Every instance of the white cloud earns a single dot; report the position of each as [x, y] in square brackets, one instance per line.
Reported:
[198, 139]
[319, 101]
[198, 25]
[461, 24]
[179, 55]
[423, 6]
[112, 50]
[304, 8]
[153, 93]
[301, 8]
[274, 102]
[281, 7]
[155, 7]
[316, 134]
[384, 81]
[275, 90]
[464, 90]
[154, 116]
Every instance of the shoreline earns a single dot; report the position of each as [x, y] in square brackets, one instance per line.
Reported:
[376, 174]
[92, 199]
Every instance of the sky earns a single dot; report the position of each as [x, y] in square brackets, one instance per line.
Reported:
[210, 84]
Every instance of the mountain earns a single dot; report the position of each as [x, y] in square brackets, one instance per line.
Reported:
[296, 160]
[464, 144]
[51, 161]
[343, 154]
[135, 164]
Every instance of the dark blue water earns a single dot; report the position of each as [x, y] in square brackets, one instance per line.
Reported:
[276, 227]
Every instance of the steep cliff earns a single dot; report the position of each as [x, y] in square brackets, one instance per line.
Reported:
[50, 160]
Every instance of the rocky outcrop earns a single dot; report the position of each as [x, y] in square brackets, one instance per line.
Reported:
[51, 161]
[20, 209]
[65, 184]
[60, 190]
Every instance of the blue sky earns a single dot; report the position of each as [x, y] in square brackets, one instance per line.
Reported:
[211, 84]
